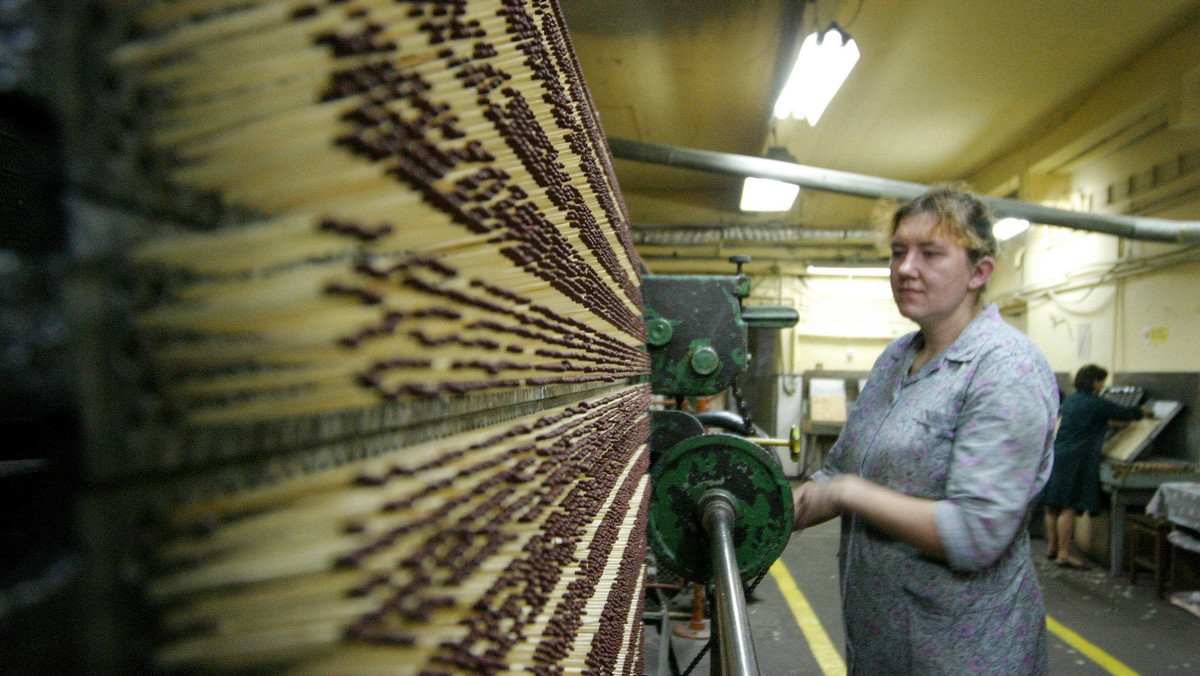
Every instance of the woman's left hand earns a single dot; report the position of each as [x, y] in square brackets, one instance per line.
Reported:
[817, 501]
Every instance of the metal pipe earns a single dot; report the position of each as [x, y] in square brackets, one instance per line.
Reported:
[725, 420]
[677, 235]
[664, 634]
[734, 645]
[860, 185]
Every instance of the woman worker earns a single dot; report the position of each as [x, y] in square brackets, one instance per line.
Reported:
[1074, 484]
[937, 464]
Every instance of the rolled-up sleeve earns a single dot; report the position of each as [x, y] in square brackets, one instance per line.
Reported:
[832, 466]
[1001, 458]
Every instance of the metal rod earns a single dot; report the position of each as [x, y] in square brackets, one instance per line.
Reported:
[861, 185]
[793, 442]
[664, 635]
[768, 441]
[736, 649]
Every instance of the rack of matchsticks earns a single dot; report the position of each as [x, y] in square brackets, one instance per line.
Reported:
[441, 217]
[513, 547]
[428, 314]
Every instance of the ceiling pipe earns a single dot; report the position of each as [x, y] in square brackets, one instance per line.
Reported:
[860, 185]
[682, 235]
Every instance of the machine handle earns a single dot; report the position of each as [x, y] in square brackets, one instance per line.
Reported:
[792, 442]
[770, 317]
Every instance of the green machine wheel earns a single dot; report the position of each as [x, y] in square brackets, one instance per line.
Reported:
[754, 479]
[668, 428]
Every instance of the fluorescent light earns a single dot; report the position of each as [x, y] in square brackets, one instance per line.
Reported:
[765, 194]
[840, 271]
[1007, 228]
[821, 68]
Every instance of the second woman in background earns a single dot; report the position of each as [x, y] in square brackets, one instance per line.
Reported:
[1074, 486]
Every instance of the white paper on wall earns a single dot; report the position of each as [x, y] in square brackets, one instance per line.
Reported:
[1083, 341]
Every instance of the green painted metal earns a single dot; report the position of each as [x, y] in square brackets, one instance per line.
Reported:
[770, 317]
[704, 359]
[696, 330]
[762, 497]
[668, 428]
[701, 310]
[658, 331]
[742, 289]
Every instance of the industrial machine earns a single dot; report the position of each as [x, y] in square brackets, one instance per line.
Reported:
[720, 506]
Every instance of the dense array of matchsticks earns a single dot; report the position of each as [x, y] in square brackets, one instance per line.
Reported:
[441, 213]
[438, 219]
[511, 549]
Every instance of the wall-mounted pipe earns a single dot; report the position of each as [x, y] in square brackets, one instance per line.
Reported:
[860, 185]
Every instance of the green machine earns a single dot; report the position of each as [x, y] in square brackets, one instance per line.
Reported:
[720, 507]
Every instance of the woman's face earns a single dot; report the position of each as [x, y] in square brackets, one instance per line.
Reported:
[933, 277]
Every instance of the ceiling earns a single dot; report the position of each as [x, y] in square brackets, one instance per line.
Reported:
[943, 89]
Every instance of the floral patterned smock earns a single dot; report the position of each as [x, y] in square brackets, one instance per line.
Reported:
[972, 429]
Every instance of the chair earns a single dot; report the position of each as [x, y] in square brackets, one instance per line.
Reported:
[1147, 548]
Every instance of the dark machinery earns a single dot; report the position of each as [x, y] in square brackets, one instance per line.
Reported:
[720, 507]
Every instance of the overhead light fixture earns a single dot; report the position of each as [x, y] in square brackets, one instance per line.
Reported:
[1007, 228]
[765, 194]
[824, 62]
[847, 271]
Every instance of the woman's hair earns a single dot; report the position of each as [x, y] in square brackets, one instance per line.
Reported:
[1088, 377]
[961, 216]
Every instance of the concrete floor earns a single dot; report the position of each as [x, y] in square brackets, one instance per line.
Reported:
[1122, 622]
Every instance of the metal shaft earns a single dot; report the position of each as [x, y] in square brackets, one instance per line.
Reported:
[861, 185]
[736, 649]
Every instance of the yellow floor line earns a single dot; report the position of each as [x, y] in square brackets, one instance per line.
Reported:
[828, 657]
[830, 660]
[1107, 662]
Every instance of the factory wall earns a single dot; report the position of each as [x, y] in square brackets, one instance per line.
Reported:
[1082, 297]
[1055, 284]
[1145, 320]
[845, 322]
[1162, 322]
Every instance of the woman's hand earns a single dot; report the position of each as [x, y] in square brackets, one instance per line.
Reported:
[817, 501]
[904, 517]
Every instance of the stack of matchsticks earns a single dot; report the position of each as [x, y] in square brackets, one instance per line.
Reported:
[440, 213]
[511, 549]
[437, 221]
